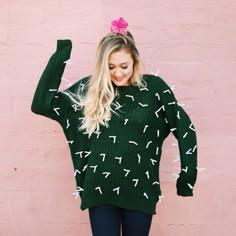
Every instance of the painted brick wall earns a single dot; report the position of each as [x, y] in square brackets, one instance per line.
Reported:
[193, 46]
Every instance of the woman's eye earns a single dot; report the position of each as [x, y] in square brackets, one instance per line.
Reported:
[111, 68]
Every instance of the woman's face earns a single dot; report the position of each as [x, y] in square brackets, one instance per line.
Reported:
[121, 67]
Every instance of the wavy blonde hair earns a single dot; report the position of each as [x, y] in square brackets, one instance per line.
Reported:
[96, 103]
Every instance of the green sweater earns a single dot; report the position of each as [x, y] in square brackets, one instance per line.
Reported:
[119, 165]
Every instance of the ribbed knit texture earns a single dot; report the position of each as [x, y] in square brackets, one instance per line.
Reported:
[119, 165]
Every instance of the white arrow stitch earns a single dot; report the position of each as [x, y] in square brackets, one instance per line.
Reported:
[114, 138]
[85, 167]
[94, 168]
[191, 127]
[190, 186]
[173, 129]
[103, 156]
[79, 153]
[136, 182]
[70, 141]
[177, 176]
[127, 172]
[76, 171]
[117, 190]
[185, 135]
[130, 96]
[55, 109]
[79, 189]
[119, 158]
[145, 195]
[106, 173]
[181, 105]
[144, 130]
[160, 197]
[167, 91]
[157, 95]
[68, 123]
[161, 108]
[67, 61]
[87, 153]
[178, 115]
[139, 158]
[186, 169]
[189, 152]
[156, 74]
[200, 169]
[153, 161]
[148, 144]
[145, 88]
[143, 105]
[99, 188]
[133, 142]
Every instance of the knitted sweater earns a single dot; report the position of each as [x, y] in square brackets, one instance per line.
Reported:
[119, 165]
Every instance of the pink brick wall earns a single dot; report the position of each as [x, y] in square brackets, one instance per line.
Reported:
[191, 43]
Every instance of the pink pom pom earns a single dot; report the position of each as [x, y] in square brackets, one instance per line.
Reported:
[119, 26]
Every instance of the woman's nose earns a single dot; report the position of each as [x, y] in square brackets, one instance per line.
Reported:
[117, 73]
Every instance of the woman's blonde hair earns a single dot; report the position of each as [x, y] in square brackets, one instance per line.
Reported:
[96, 103]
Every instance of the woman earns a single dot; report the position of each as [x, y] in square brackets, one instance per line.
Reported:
[115, 122]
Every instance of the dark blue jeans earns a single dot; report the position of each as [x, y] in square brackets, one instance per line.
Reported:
[106, 220]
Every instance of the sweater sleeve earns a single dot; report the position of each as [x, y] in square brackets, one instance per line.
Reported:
[184, 131]
[47, 100]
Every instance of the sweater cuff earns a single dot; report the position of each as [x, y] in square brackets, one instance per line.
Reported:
[183, 189]
[62, 43]
[184, 192]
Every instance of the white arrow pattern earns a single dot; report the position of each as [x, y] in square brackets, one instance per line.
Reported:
[147, 128]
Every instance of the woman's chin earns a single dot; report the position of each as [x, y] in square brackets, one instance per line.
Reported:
[120, 82]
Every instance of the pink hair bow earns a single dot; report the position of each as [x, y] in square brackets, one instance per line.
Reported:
[119, 26]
